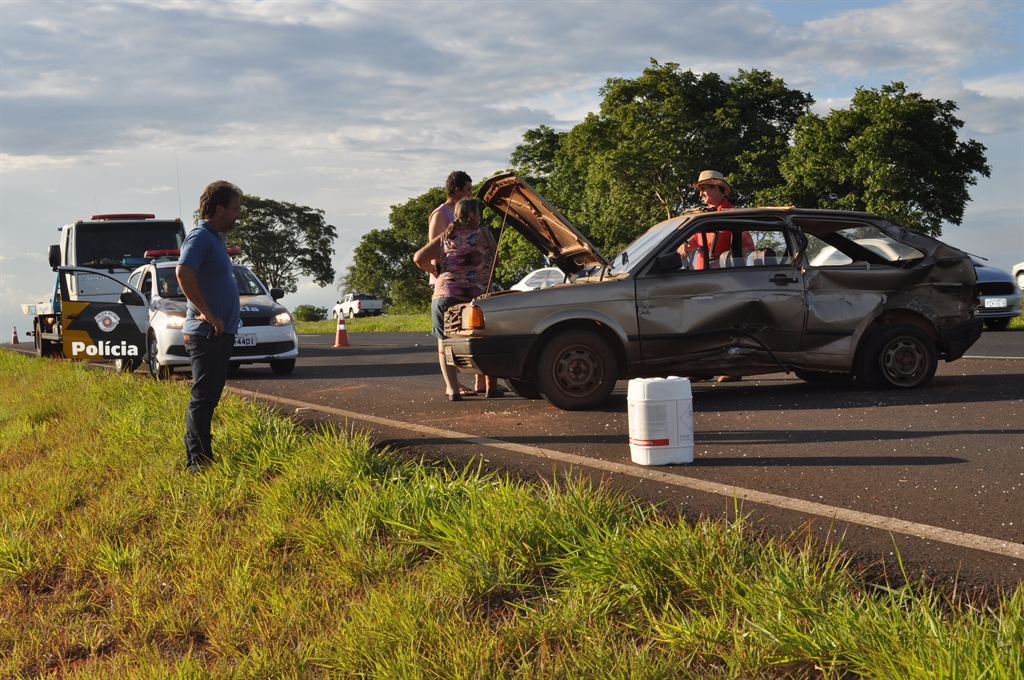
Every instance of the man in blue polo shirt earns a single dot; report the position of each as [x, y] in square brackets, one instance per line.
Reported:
[206, 278]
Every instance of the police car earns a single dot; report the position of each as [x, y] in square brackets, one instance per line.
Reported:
[266, 333]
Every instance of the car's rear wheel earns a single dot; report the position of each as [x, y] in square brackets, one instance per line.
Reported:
[156, 369]
[997, 324]
[282, 366]
[896, 356]
[524, 388]
[576, 370]
[822, 376]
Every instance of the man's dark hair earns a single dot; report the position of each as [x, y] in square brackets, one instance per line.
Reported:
[456, 181]
[218, 193]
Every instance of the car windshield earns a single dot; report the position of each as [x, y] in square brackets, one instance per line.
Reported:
[167, 283]
[639, 249]
[247, 282]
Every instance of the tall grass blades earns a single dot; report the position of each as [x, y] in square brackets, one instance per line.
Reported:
[313, 554]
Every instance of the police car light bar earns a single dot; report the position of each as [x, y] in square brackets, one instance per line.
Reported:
[124, 216]
[154, 254]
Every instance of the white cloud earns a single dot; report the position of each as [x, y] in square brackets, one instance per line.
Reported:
[355, 106]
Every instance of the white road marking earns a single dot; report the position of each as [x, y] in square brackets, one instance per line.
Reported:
[899, 526]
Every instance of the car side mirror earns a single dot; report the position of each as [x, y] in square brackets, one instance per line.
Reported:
[53, 256]
[276, 293]
[670, 261]
[130, 297]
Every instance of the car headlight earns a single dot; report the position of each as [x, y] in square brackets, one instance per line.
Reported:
[281, 319]
[168, 321]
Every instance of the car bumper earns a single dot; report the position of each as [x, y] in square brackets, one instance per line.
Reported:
[958, 339]
[504, 357]
[272, 342]
[1009, 310]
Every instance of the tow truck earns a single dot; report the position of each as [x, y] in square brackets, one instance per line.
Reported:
[90, 315]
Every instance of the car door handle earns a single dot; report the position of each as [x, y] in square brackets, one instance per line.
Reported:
[781, 279]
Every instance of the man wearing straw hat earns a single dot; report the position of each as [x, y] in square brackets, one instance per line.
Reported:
[713, 191]
[708, 246]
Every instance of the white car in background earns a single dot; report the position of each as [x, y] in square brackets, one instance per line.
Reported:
[541, 278]
[266, 333]
[1018, 274]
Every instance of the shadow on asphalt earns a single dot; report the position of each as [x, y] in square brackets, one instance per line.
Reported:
[727, 461]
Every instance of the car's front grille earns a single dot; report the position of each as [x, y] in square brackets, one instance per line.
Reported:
[452, 319]
[996, 288]
[248, 321]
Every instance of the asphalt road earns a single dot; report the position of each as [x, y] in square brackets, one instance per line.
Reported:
[937, 473]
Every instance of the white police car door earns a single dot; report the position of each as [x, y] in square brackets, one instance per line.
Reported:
[103, 327]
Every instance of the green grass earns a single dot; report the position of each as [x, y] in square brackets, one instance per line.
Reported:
[390, 323]
[1018, 321]
[314, 555]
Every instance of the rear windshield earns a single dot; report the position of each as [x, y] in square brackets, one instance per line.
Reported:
[122, 244]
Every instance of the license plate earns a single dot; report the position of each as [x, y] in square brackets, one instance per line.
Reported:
[995, 302]
[245, 340]
[449, 356]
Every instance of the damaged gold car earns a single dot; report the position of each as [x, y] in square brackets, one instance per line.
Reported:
[826, 294]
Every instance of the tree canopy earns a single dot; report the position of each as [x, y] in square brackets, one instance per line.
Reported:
[632, 165]
[280, 241]
[893, 153]
[382, 262]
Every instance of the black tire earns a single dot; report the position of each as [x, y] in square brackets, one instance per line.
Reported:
[896, 356]
[38, 338]
[126, 365]
[45, 348]
[576, 370]
[156, 369]
[234, 365]
[822, 376]
[997, 324]
[282, 366]
[524, 388]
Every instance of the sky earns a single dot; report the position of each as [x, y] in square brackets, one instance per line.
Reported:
[352, 107]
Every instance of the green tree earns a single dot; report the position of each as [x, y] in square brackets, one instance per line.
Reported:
[382, 262]
[280, 241]
[893, 153]
[309, 313]
[631, 165]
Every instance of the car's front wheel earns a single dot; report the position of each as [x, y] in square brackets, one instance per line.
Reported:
[997, 324]
[282, 366]
[576, 370]
[126, 365]
[158, 370]
[524, 388]
[896, 356]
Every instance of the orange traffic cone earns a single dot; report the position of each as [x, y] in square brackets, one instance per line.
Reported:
[341, 337]
[14, 338]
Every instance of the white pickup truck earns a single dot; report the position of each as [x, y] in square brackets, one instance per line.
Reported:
[357, 304]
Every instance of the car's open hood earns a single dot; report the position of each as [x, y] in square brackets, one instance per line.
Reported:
[538, 221]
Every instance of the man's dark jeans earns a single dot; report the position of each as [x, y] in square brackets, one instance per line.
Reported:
[210, 357]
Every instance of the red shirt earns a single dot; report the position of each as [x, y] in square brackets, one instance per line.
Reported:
[717, 244]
